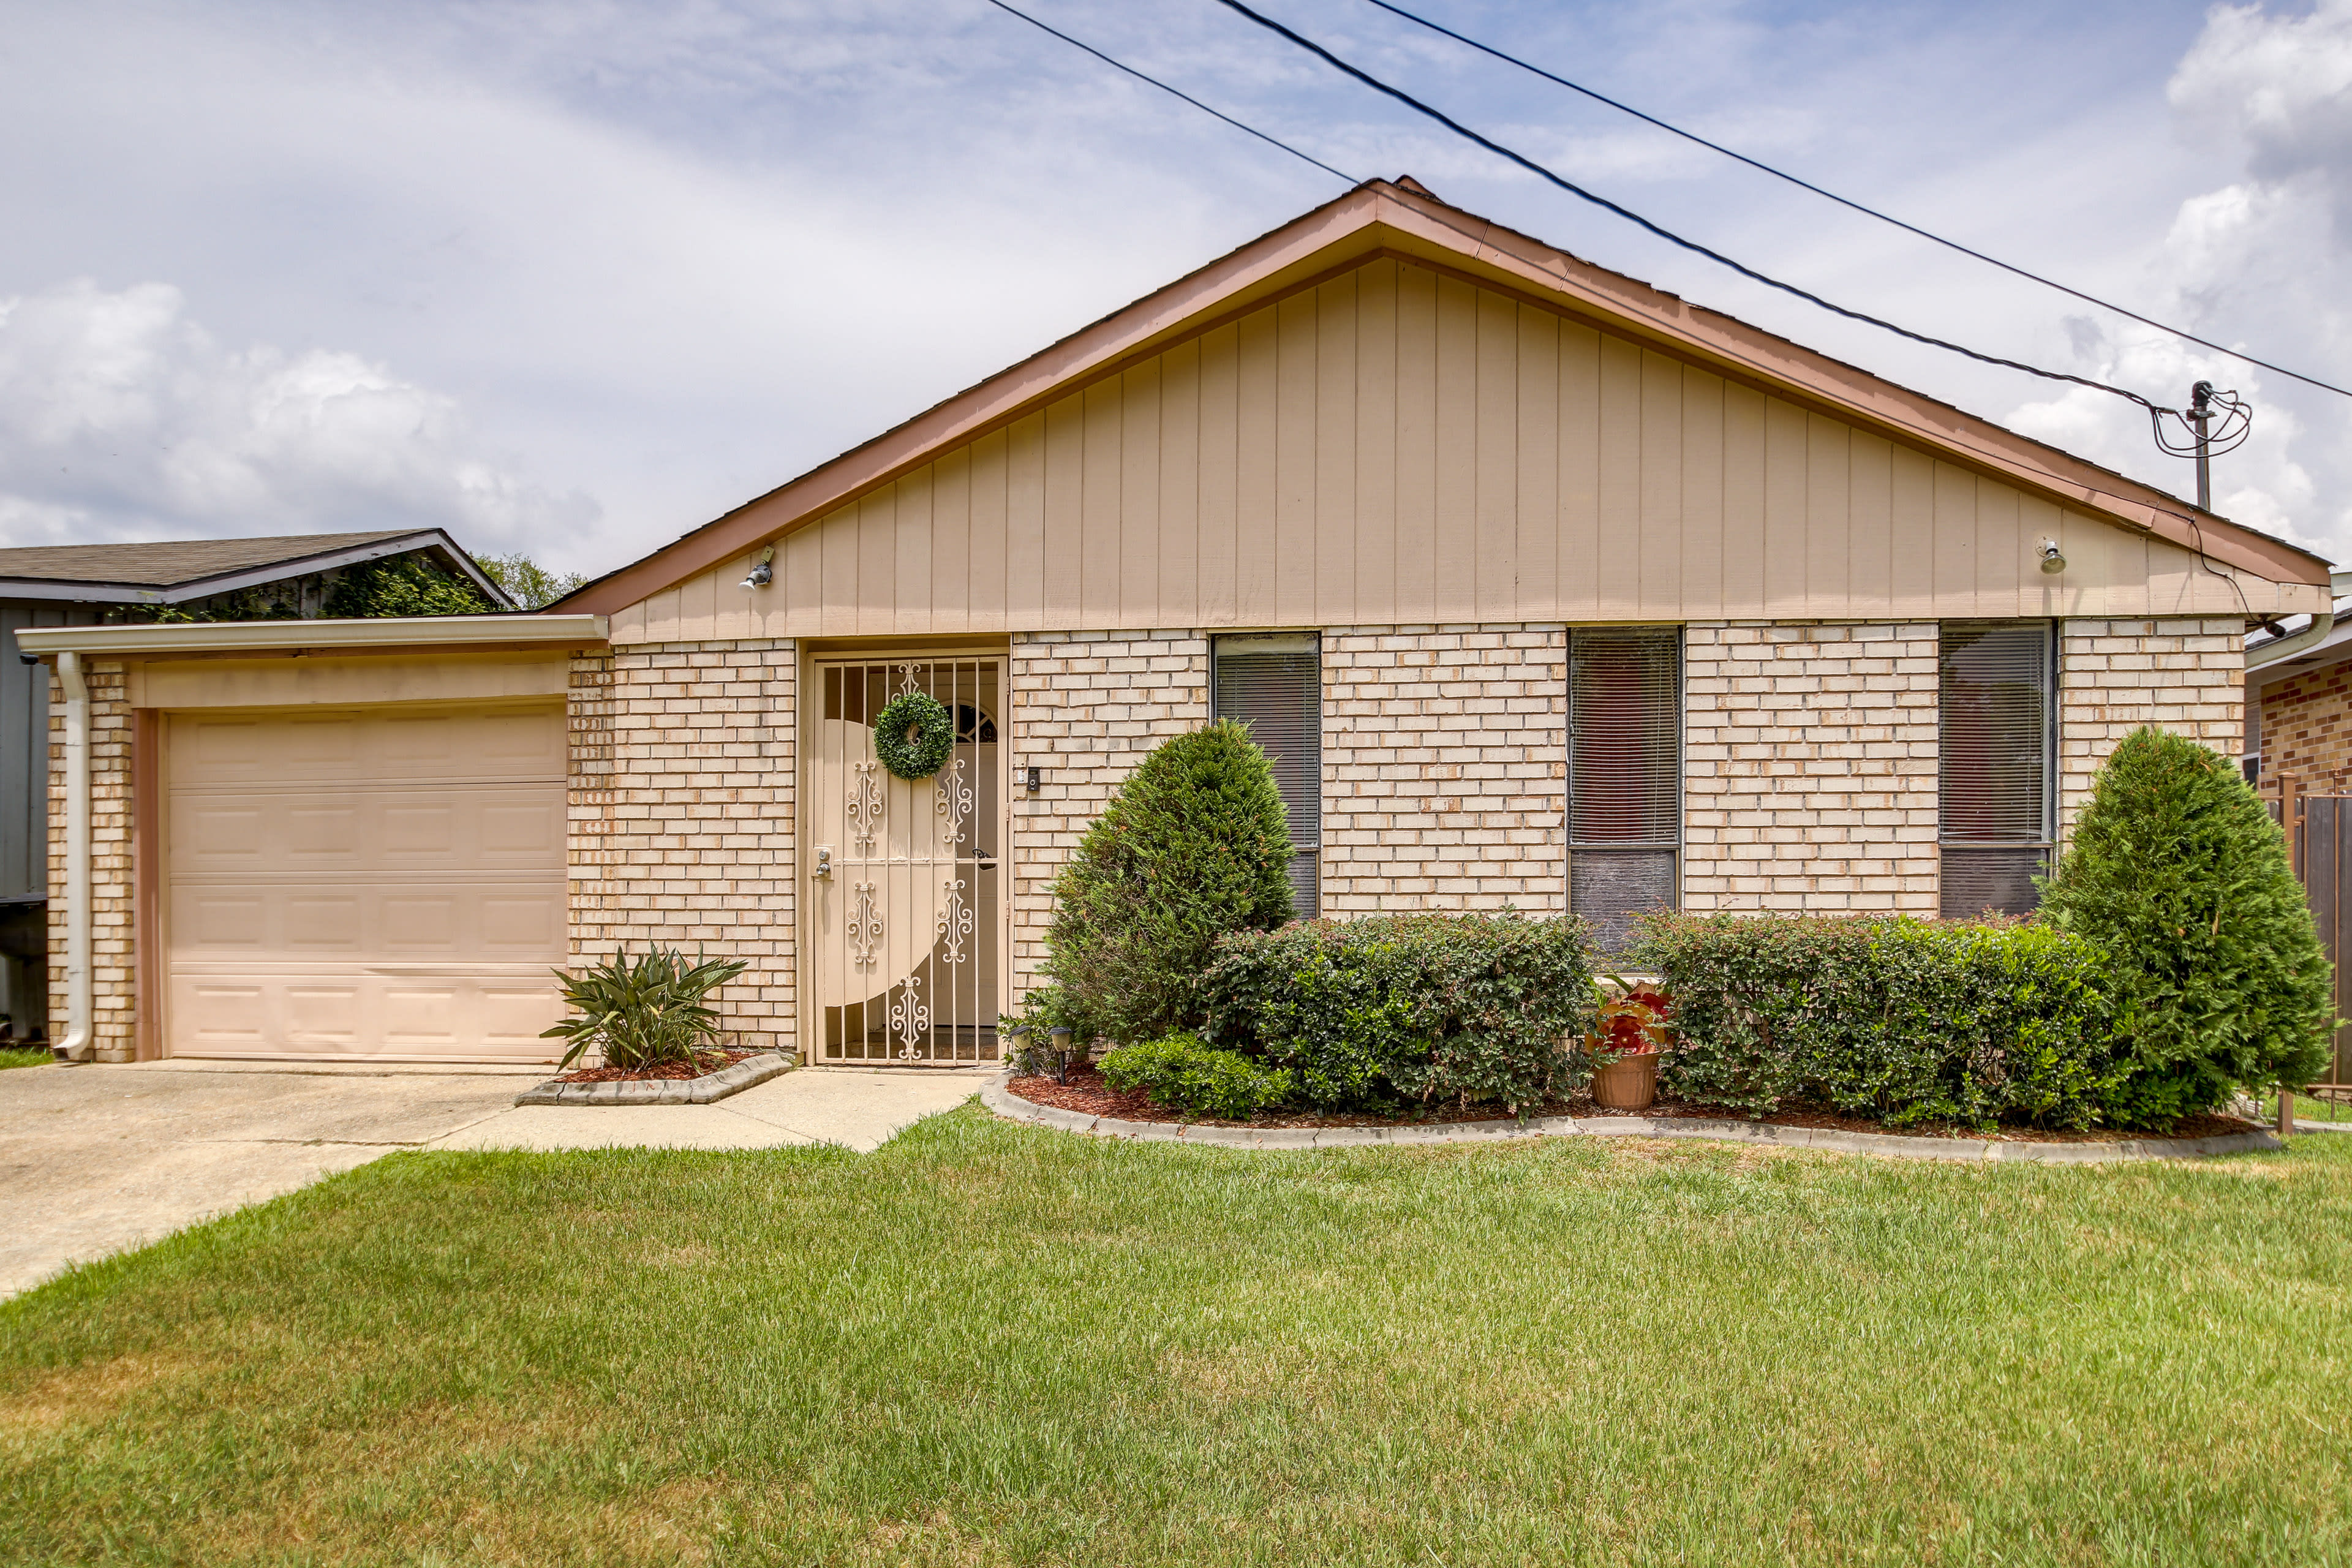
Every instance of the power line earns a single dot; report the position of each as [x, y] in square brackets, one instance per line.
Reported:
[1155, 81]
[1466, 40]
[1630, 215]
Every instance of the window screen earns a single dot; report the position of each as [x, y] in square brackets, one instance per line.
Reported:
[1995, 785]
[1275, 685]
[1624, 775]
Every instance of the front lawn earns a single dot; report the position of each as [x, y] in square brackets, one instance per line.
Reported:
[24, 1056]
[992, 1344]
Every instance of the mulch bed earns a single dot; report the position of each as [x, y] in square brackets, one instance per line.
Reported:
[706, 1063]
[1089, 1095]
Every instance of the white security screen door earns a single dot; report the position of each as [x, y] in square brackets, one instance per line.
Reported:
[905, 897]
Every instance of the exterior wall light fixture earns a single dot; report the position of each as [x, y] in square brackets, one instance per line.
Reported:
[763, 571]
[2052, 562]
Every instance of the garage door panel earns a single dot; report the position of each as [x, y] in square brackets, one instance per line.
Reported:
[421, 919]
[357, 746]
[321, 1015]
[357, 883]
[224, 1013]
[436, 1015]
[500, 826]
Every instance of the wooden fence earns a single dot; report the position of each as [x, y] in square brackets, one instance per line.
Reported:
[2319, 836]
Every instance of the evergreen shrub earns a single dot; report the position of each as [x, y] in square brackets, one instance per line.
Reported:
[1194, 846]
[2177, 870]
[1186, 1076]
[1899, 1019]
[1409, 1009]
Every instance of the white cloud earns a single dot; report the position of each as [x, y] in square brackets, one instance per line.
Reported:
[2264, 264]
[121, 419]
[669, 256]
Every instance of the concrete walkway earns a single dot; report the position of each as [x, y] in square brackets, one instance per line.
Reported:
[96, 1160]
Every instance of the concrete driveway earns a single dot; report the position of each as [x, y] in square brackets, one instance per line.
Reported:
[98, 1159]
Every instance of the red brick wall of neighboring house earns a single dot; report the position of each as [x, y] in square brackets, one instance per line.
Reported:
[2306, 728]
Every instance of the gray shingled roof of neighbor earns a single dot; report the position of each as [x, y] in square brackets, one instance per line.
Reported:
[168, 570]
[170, 563]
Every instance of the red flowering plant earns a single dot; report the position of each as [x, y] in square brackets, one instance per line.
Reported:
[1632, 1021]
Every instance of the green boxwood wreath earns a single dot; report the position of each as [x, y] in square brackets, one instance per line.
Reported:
[913, 735]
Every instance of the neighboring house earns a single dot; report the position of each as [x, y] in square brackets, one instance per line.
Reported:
[84, 584]
[2299, 705]
[1544, 589]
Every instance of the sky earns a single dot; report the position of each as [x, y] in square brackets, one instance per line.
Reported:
[575, 277]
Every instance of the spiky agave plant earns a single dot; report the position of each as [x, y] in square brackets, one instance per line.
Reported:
[644, 1012]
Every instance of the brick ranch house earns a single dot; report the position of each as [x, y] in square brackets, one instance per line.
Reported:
[1543, 587]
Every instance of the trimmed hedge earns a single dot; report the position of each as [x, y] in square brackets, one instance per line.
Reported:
[1900, 1019]
[1422, 1009]
[1184, 1075]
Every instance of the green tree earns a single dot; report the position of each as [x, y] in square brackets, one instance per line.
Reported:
[526, 582]
[1194, 846]
[2176, 868]
[404, 585]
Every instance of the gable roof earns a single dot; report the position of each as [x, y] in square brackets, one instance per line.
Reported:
[1404, 221]
[173, 571]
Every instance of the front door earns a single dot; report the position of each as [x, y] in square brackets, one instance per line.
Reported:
[906, 894]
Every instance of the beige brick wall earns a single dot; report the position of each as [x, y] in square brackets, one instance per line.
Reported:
[1444, 768]
[1810, 767]
[1087, 707]
[2186, 676]
[113, 974]
[682, 815]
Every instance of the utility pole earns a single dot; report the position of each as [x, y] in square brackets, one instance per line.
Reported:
[2200, 413]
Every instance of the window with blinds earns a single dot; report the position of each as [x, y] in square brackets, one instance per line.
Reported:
[1997, 762]
[1624, 775]
[1275, 685]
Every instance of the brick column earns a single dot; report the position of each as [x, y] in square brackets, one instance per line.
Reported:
[1809, 762]
[113, 974]
[1087, 707]
[1445, 769]
[682, 815]
[2186, 675]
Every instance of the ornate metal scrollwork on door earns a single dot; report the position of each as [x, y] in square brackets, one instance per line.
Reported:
[955, 924]
[910, 1018]
[954, 802]
[864, 929]
[865, 806]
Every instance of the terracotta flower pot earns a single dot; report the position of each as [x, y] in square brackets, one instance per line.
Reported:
[1626, 1083]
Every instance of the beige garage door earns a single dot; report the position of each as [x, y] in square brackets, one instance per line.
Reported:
[383, 883]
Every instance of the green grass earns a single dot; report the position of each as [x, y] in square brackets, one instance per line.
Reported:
[24, 1056]
[993, 1345]
[2308, 1109]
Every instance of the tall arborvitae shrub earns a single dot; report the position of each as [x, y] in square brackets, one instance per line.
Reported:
[2177, 870]
[1194, 846]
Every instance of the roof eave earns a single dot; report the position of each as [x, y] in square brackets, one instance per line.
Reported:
[377, 632]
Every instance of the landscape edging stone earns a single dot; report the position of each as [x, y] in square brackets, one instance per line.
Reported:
[999, 1098]
[750, 1071]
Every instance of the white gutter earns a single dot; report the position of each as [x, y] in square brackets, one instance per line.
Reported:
[76, 1046]
[2277, 648]
[383, 631]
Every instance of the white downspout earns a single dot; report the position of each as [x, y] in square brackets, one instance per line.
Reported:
[76, 1046]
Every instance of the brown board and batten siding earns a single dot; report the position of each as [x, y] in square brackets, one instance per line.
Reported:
[1398, 446]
